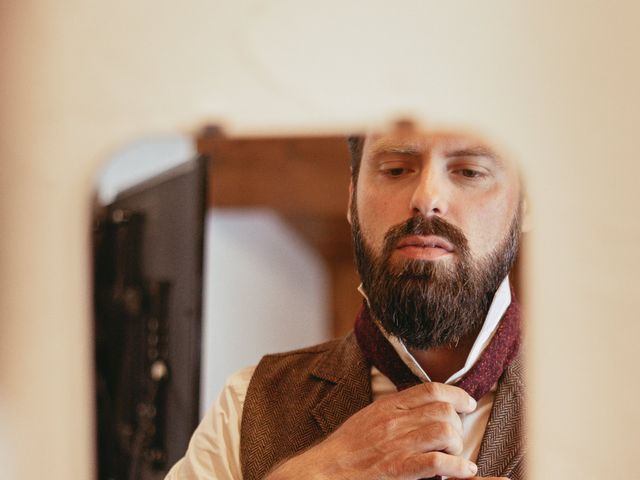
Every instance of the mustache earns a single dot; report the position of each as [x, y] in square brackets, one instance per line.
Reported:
[421, 225]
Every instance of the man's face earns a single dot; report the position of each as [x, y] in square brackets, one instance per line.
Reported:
[435, 219]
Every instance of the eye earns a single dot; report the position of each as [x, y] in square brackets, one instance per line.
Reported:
[395, 171]
[470, 173]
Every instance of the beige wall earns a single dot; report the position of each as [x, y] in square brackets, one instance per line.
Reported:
[555, 82]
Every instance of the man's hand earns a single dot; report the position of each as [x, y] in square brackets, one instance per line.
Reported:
[416, 433]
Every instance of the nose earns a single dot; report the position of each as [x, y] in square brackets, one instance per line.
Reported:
[430, 194]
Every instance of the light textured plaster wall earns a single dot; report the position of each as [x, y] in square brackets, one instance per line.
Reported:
[554, 82]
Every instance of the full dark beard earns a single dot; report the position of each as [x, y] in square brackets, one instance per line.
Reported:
[432, 303]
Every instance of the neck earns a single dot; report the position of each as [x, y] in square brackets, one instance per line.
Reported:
[442, 362]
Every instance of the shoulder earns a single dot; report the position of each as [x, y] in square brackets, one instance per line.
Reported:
[326, 360]
[213, 451]
[236, 385]
[310, 351]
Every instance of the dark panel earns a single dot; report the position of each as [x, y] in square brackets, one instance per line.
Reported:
[148, 274]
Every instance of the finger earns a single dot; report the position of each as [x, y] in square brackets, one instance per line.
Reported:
[429, 392]
[437, 463]
[434, 437]
[437, 411]
[409, 420]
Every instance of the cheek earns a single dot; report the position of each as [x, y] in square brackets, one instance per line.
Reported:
[488, 224]
[375, 216]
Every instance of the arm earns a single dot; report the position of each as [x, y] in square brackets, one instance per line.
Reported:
[213, 452]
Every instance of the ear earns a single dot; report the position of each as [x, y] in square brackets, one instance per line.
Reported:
[350, 201]
[526, 224]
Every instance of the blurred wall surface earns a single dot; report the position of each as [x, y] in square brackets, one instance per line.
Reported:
[141, 161]
[554, 82]
[265, 291]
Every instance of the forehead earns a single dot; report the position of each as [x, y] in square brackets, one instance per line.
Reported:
[442, 142]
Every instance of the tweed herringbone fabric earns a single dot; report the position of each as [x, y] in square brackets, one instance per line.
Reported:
[296, 399]
[503, 445]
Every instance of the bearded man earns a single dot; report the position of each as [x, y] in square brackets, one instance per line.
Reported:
[429, 383]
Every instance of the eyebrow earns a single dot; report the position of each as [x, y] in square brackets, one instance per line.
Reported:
[476, 151]
[394, 147]
[391, 146]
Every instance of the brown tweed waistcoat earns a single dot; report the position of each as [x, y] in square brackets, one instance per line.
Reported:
[297, 398]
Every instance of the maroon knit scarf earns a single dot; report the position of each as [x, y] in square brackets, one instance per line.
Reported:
[493, 361]
[495, 358]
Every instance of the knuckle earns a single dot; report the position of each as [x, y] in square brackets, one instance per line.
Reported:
[445, 409]
[432, 389]
[398, 465]
[433, 460]
[411, 464]
[389, 425]
[445, 430]
[457, 424]
[457, 445]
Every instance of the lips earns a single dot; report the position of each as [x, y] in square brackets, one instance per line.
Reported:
[430, 241]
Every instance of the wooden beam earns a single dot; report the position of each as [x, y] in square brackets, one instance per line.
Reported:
[295, 176]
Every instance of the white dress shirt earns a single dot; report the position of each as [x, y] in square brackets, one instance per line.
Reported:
[214, 449]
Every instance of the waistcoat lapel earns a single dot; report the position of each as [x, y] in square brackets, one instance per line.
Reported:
[348, 375]
[296, 398]
[502, 449]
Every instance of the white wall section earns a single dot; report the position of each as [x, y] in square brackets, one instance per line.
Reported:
[140, 161]
[265, 292]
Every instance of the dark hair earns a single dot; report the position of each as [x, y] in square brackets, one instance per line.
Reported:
[355, 143]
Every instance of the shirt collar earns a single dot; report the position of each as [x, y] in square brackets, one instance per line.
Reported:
[499, 305]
